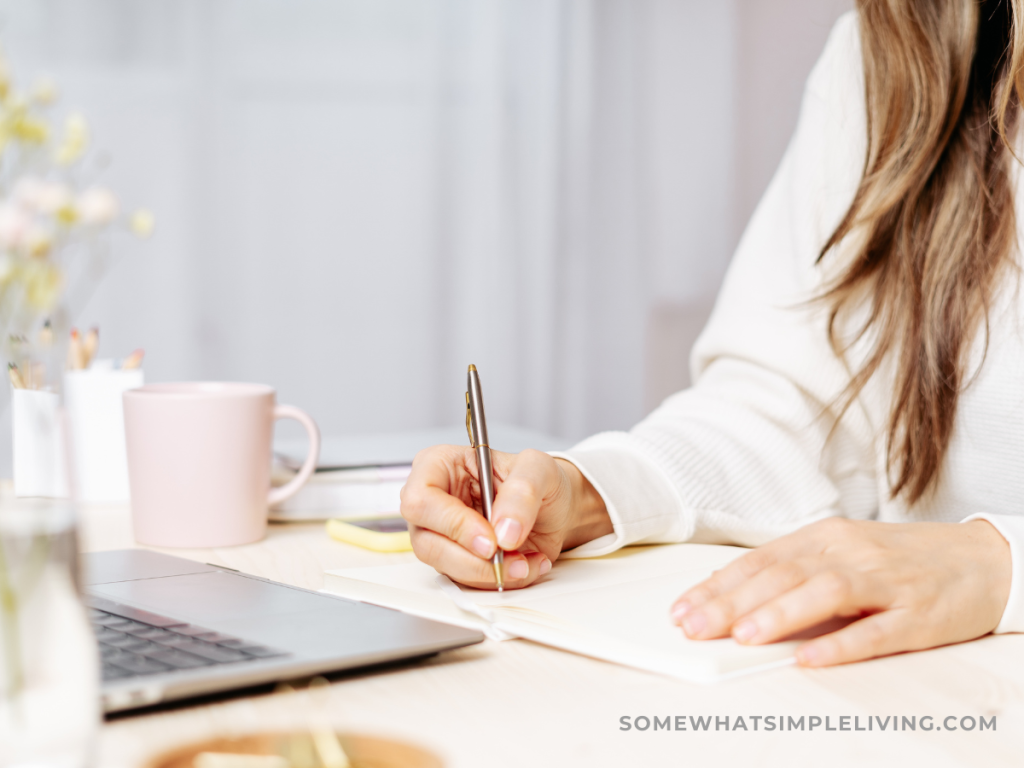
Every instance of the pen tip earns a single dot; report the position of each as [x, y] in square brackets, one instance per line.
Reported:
[471, 368]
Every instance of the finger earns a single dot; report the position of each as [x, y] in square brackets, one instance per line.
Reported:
[447, 557]
[427, 503]
[722, 581]
[437, 511]
[819, 598]
[802, 543]
[532, 477]
[451, 559]
[876, 635]
[432, 466]
[522, 569]
[716, 617]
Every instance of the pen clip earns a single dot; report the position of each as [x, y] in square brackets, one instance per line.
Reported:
[469, 423]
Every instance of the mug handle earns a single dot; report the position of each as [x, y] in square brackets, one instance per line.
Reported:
[277, 495]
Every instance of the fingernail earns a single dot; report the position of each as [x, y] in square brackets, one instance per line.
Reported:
[508, 533]
[807, 655]
[744, 631]
[545, 566]
[519, 569]
[483, 546]
[679, 610]
[694, 623]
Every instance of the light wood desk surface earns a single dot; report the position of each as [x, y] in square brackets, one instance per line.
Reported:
[518, 704]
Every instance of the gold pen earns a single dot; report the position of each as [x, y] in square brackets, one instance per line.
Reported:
[476, 426]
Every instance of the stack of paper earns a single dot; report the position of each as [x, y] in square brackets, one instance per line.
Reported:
[358, 493]
[360, 476]
[614, 608]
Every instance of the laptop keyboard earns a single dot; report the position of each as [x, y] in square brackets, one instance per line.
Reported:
[130, 648]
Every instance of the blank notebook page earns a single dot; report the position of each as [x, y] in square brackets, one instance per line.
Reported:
[614, 607]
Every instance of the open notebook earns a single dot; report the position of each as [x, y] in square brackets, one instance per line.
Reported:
[614, 608]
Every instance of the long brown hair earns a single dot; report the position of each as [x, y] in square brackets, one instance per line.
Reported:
[934, 213]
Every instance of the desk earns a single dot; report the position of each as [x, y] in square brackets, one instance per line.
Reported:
[520, 705]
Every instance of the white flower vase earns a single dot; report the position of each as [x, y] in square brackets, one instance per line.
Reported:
[49, 667]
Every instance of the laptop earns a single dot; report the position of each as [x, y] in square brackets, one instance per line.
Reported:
[170, 628]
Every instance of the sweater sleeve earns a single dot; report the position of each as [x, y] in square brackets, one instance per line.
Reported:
[753, 449]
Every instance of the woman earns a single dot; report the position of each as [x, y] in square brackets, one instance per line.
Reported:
[857, 412]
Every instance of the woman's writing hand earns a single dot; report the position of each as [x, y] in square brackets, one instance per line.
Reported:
[908, 587]
[542, 507]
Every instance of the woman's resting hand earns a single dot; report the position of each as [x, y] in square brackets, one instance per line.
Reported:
[542, 507]
[908, 587]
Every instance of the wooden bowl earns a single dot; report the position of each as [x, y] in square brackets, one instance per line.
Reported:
[362, 751]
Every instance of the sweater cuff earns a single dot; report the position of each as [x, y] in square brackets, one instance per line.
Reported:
[1011, 527]
[643, 504]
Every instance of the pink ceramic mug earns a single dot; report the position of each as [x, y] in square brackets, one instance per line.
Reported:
[199, 462]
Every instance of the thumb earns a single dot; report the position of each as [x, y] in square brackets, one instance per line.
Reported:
[531, 477]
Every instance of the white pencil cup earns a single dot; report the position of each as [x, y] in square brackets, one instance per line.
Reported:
[96, 412]
[39, 457]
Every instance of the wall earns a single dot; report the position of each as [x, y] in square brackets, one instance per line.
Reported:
[776, 44]
[356, 198]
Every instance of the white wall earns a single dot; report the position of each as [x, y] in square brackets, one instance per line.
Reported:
[356, 198]
[778, 42]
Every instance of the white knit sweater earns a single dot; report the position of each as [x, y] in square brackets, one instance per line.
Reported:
[745, 454]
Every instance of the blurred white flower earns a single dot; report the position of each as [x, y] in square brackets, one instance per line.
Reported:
[8, 267]
[38, 241]
[54, 196]
[44, 284]
[97, 206]
[142, 223]
[43, 196]
[5, 78]
[76, 139]
[28, 191]
[44, 91]
[14, 226]
[46, 213]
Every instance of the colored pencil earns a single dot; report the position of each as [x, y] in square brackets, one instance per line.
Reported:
[37, 375]
[76, 356]
[89, 345]
[15, 376]
[134, 360]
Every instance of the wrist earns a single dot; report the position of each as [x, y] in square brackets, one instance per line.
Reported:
[588, 516]
[996, 557]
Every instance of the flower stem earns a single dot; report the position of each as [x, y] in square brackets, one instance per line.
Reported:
[9, 622]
